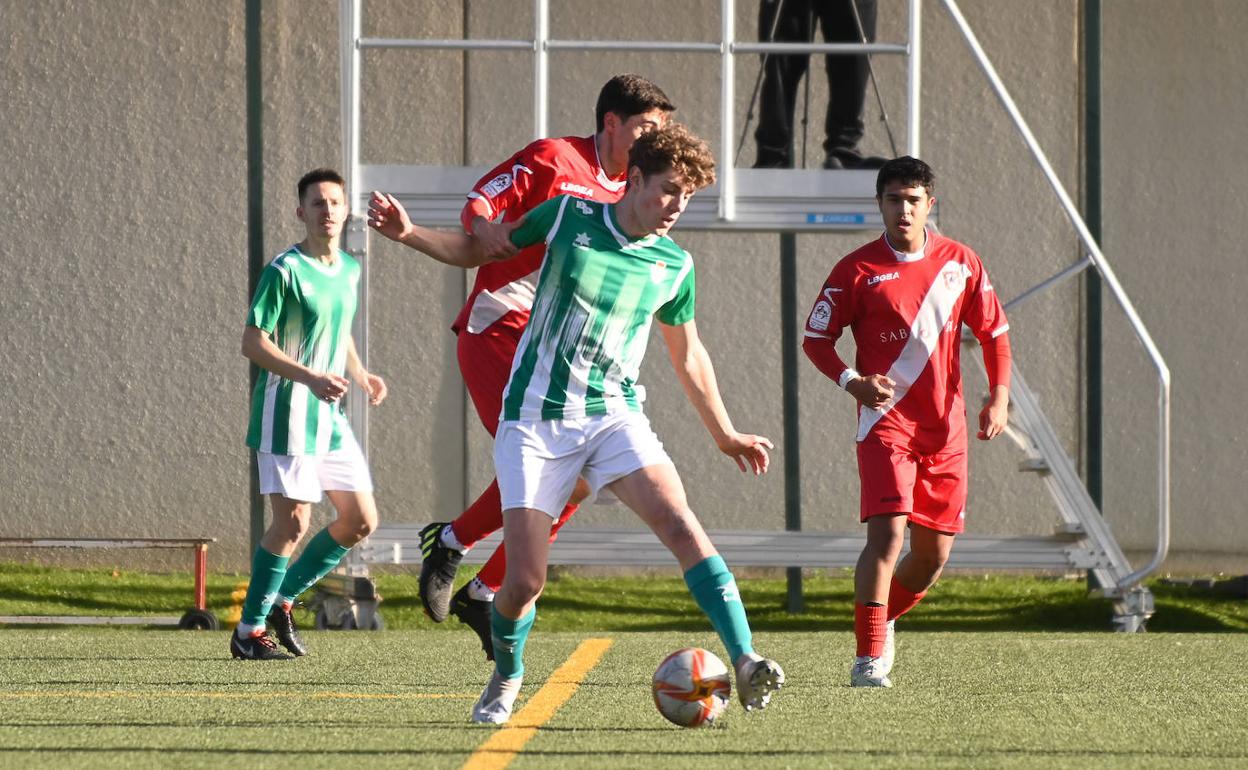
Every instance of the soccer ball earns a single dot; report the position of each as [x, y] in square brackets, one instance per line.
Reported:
[691, 687]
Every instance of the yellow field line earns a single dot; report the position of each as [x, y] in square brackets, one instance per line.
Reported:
[238, 695]
[504, 745]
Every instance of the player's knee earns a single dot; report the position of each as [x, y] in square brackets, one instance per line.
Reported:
[523, 586]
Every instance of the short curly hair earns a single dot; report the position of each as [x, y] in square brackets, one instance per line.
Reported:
[674, 147]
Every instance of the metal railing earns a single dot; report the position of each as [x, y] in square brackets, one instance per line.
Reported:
[1097, 260]
[542, 44]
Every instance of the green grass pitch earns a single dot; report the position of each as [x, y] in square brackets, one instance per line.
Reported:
[143, 698]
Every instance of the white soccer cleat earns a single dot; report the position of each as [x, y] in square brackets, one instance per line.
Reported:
[494, 706]
[757, 679]
[890, 647]
[868, 672]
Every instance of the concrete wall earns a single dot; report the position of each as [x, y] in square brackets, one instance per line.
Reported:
[126, 249]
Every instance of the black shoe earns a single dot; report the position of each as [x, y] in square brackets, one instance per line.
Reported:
[833, 163]
[474, 613]
[283, 626]
[258, 647]
[437, 572]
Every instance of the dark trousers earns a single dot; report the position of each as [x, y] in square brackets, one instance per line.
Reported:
[847, 76]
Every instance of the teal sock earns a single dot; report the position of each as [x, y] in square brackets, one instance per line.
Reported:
[267, 571]
[715, 590]
[509, 638]
[320, 555]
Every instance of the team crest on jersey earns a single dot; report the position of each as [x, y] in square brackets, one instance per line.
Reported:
[955, 278]
[658, 271]
[584, 208]
[820, 316]
[582, 240]
[497, 186]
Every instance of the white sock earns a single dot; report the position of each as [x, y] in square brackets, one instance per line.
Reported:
[245, 630]
[480, 591]
[450, 541]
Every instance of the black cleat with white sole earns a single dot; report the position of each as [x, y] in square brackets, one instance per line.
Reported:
[437, 572]
[474, 613]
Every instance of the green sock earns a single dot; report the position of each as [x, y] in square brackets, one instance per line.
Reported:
[715, 591]
[509, 638]
[320, 555]
[267, 571]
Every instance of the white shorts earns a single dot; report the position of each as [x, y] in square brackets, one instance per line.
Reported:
[303, 477]
[538, 461]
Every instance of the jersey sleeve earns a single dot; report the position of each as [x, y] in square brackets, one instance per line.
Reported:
[831, 313]
[266, 306]
[984, 314]
[539, 224]
[520, 182]
[679, 309]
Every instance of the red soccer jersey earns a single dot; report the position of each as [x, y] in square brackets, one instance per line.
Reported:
[906, 313]
[546, 168]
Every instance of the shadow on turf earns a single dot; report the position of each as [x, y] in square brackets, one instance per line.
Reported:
[832, 611]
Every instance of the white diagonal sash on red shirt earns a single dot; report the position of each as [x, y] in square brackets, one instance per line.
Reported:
[934, 313]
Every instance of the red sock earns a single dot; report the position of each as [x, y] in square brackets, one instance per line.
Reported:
[495, 567]
[869, 628]
[482, 517]
[901, 599]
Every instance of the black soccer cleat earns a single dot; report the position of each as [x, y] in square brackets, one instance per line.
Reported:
[283, 626]
[437, 572]
[257, 647]
[474, 613]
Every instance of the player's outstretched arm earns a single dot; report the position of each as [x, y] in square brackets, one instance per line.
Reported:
[693, 367]
[263, 352]
[388, 217]
[373, 385]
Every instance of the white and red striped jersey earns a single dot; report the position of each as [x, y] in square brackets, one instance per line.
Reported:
[503, 291]
[906, 313]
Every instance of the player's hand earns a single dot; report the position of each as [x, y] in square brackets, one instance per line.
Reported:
[328, 387]
[495, 237]
[875, 391]
[387, 216]
[375, 387]
[995, 415]
[749, 451]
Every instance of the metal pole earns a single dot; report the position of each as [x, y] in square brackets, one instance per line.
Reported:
[355, 234]
[727, 172]
[255, 224]
[789, 341]
[541, 67]
[1093, 358]
[913, 91]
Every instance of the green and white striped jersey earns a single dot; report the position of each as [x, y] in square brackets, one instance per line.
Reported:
[307, 306]
[596, 295]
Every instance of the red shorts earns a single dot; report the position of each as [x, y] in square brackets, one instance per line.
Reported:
[930, 488]
[485, 363]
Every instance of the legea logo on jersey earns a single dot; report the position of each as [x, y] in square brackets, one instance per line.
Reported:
[584, 208]
[873, 280]
[576, 189]
[658, 271]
